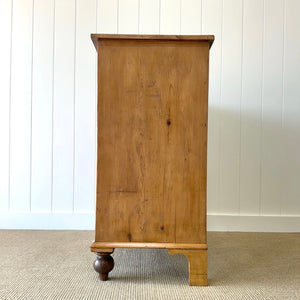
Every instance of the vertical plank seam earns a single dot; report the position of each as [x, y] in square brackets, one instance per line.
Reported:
[74, 103]
[283, 64]
[118, 12]
[97, 7]
[241, 100]
[220, 102]
[95, 116]
[261, 113]
[283, 89]
[31, 87]
[52, 134]
[180, 12]
[159, 17]
[201, 21]
[9, 108]
[139, 9]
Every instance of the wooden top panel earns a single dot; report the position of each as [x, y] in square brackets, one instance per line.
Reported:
[205, 38]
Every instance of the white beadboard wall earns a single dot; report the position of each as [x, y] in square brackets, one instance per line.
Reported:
[48, 107]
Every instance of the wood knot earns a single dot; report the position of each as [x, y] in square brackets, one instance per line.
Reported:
[162, 228]
[129, 237]
[168, 122]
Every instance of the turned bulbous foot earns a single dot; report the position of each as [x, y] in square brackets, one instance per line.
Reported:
[103, 264]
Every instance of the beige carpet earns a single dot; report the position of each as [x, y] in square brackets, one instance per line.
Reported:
[58, 265]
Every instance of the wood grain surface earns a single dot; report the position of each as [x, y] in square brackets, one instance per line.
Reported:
[205, 38]
[152, 138]
[197, 265]
[109, 246]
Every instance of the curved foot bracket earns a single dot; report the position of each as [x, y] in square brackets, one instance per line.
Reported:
[103, 264]
[197, 265]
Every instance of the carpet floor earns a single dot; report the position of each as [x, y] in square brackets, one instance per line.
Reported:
[58, 265]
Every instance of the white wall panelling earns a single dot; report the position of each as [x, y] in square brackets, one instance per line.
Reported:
[170, 17]
[5, 60]
[149, 16]
[251, 107]
[63, 105]
[20, 106]
[230, 106]
[191, 17]
[290, 200]
[107, 16]
[212, 19]
[42, 96]
[128, 16]
[85, 107]
[272, 100]
[48, 107]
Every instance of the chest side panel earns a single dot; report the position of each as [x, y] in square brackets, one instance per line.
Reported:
[152, 116]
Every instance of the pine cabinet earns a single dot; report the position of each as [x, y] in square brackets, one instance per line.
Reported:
[152, 147]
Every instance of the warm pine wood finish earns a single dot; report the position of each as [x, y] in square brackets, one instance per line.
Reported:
[197, 265]
[152, 141]
[208, 38]
[100, 246]
[152, 138]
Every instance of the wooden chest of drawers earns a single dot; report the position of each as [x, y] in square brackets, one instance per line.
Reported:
[152, 147]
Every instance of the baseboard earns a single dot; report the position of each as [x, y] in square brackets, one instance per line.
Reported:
[248, 223]
[47, 220]
[86, 221]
